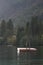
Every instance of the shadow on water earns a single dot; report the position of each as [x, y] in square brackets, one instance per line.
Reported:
[7, 55]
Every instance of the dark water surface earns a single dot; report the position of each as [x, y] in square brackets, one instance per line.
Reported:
[8, 56]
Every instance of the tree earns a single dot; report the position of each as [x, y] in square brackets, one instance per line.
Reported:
[34, 25]
[10, 27]
[28, 33]
[27, 28]
[3, 28]
[17, 36]
[20, 34]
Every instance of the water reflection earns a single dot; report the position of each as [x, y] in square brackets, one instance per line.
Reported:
[26, 56]
[9, 56]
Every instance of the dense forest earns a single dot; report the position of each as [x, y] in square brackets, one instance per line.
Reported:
[33, 32]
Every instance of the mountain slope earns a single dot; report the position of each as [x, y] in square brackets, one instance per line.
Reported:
[20, 10]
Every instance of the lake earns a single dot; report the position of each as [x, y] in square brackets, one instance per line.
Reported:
[8, 56]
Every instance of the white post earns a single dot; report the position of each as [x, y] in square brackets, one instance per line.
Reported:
[18, 56]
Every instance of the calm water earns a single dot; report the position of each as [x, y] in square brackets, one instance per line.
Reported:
[14, 62]
[8, 56]
[8, 62]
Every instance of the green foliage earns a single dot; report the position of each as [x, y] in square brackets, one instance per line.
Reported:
[20, 34]
[27, 28]
[10, 27]
[3, 28]
[7, 29]
[34, 25]
[17, 36]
